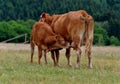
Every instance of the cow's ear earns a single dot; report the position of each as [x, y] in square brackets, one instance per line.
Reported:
[43, 15]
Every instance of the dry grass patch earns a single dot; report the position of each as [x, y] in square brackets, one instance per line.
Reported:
[15, 67]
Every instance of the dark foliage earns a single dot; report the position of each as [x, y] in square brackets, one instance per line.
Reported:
[102, 11]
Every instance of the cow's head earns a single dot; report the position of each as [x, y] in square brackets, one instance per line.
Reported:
[45, 17]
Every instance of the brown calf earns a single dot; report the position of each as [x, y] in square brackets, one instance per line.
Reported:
[43, 36]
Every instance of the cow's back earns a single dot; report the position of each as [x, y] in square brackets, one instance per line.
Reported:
[69, 24]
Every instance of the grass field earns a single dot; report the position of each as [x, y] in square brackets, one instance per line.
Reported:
[15, 67]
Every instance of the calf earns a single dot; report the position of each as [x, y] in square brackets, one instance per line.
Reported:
[43, 36]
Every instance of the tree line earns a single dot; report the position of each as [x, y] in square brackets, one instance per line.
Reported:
[20, 12]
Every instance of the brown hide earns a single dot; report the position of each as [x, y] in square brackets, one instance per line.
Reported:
[43, 36]
[68, 25]
[75, 27]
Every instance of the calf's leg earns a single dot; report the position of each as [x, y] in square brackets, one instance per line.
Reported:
[57, 57]
[44, 52]
[53, 57]
[39, 54]
[32, 51]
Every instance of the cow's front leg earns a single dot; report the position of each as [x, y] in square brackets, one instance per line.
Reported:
[68, 56]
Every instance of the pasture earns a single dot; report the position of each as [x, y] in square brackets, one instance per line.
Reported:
[15, 67]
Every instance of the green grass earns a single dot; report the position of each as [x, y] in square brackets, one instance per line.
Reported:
[15, 68]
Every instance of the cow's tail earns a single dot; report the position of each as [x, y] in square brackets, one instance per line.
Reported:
[89, 28]
[89, 39]
[32, 45]
[89, 32]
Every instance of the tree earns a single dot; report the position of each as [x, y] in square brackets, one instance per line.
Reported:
[114, 41]
[100, 36]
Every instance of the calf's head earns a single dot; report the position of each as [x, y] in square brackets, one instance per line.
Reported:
[56, 42]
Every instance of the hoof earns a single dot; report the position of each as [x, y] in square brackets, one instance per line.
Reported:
[45, 63]
[38, 63]
[77, 66]
[70, 65]
[31, 61]
[56, 65]
[90, 67]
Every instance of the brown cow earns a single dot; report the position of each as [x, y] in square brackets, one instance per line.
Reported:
[43, 36]
[75, 27]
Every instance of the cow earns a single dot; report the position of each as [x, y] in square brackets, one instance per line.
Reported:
[43, 36]
[75, 27]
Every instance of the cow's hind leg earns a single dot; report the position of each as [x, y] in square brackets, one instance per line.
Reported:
[78, 53]
[89, 38]
[88, 52]
[77, 47]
